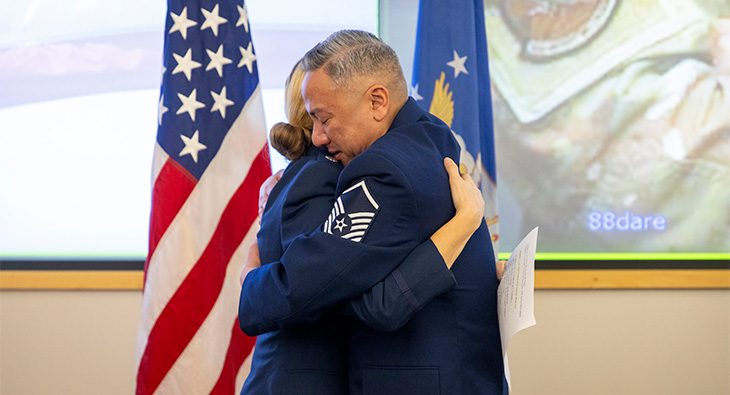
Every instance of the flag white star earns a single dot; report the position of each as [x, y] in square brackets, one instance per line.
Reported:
[217, 60]
[189, 104]
[212, 20]
[458, 64]
[243, 17]
[414, 93]
[181, 23]
[221, 102]
[185, 64]
[161, 109]
[192, 146]
[247, 57]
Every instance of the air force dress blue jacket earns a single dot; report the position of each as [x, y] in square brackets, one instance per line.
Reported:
[392, 198]
[311, 358]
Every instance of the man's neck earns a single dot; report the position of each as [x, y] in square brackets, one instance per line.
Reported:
[393, 112]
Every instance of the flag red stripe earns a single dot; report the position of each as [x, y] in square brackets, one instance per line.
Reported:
[172, 188]
[238, 350]
[194, 299]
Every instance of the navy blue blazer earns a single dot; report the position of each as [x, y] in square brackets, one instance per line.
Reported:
[311, 358]
[392, 198]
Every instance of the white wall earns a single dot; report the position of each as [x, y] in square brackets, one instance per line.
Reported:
[625, 342]
[68, 342]
[586, 342]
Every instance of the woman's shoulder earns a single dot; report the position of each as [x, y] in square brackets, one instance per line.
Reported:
[317, 164]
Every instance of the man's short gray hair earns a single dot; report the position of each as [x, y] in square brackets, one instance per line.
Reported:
[354, 53]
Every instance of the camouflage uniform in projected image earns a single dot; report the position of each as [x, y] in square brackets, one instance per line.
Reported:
[619, 113]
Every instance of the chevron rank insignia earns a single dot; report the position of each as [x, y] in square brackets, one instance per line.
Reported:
[352, 214]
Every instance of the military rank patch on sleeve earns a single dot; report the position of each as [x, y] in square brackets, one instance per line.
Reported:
[352, 214]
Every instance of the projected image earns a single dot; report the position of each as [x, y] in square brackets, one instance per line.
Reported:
[79, 85]
[612, 122]
[79, 99]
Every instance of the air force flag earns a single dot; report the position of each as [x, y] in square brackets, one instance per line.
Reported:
[352, 214]
[451, 80]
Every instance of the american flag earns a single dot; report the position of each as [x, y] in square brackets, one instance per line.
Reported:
[209, 161]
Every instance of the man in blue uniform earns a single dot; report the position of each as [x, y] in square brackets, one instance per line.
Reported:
[393, 195]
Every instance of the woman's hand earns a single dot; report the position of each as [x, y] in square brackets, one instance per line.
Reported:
[501, 265]
[451, 238]
[252, 261]
[467, 198]
[265, 191]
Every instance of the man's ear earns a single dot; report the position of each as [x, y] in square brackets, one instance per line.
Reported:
[379, 101]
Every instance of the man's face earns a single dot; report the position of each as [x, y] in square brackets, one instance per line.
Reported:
[342, 119]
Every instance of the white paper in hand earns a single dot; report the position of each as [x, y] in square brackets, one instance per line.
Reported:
[516, 294]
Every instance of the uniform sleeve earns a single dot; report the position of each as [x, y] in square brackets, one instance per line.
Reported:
[416, 281]
[333, 265]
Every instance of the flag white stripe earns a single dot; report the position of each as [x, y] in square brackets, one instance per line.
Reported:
[244, 371]
[159, 158]
[197, 369]
[200, 214]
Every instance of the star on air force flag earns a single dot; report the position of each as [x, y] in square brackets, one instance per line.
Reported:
[352, 214]
[451, 72]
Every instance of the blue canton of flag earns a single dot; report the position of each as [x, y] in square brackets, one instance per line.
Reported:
[451, 81]
[209, 73]
[352, 214]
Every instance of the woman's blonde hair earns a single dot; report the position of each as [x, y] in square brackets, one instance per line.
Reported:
[294, 138]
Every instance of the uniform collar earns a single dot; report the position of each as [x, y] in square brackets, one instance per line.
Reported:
[409, 113]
